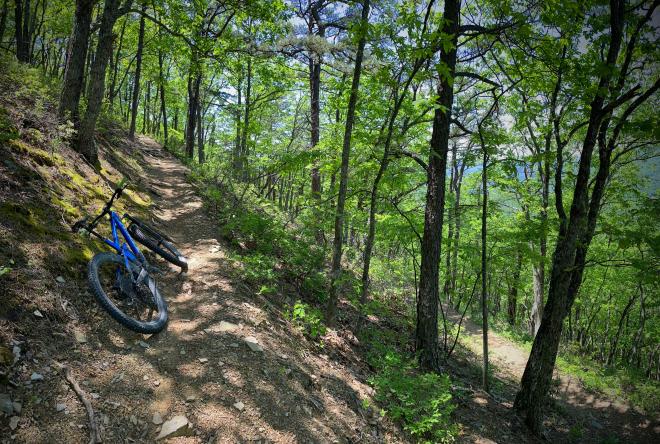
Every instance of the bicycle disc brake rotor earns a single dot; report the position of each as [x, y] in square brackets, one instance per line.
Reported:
[135, 291]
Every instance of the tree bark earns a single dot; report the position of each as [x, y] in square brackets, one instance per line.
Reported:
[163, 108]
[426, 333]
[85, 142]
[194, 80]
[74, 71]
[343, 176]
[138, 72]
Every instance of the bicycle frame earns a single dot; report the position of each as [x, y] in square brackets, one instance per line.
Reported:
[128, 250]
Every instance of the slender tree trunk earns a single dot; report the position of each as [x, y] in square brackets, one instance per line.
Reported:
[74, 71]
[237, 143]
[426, 333]
[512, 302]
[138, 72]
[484, 269]
[85, 143]
[343, 176]
[145, 109]
[194, 79]
[246, 121]
[615, 342]
[200, 137]
[115, 67]
[163, 108]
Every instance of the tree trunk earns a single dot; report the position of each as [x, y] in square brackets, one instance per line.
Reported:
[145, 108]
[343, 175]
[85, 143]
[194, 79]
[74, 71]
[22, 27]
[138, 72]
[512, 302]
[3, 19]
[246, 121]
[237, 143]
[113, 92]
[163, 108]
[426, 333]
[484, 269]
[200, 136]
[315, 112]
[575, 234]
[615, 342]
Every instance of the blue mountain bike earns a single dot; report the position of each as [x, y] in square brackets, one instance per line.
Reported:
[123, 282]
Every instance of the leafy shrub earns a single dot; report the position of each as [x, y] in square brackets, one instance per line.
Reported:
[259, 268]
[421, 401]
[308, 318]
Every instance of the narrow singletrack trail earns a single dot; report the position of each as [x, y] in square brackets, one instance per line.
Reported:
[227, 360]
[601, 418]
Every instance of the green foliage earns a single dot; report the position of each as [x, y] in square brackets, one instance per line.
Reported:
[421, 401]
[308, 318]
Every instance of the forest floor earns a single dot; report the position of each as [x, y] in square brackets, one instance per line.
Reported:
[229, 362]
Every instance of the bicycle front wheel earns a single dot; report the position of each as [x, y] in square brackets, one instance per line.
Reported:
[137, 306]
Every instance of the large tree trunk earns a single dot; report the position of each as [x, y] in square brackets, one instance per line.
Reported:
[315, 111]
[138, 72]
[575, 234]
[343, 176]
[426, 333]
[85, 143]
[74, 72]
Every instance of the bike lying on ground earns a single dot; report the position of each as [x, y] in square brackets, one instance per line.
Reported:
[123, 282]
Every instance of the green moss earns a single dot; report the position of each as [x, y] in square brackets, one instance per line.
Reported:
[69, 209]
[40, 156]
[78, 183]
[77, 255]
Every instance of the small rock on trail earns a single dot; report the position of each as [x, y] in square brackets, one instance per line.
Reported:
[177, 426]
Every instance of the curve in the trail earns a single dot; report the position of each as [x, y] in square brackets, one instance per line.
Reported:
[600, 418]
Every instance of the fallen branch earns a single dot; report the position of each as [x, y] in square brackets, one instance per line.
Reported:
[94, 433]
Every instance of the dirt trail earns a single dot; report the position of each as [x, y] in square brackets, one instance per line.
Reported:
[202, 367]
[598, 418]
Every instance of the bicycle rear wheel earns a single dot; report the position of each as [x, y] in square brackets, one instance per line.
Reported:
[138, 306]
[158, 243]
